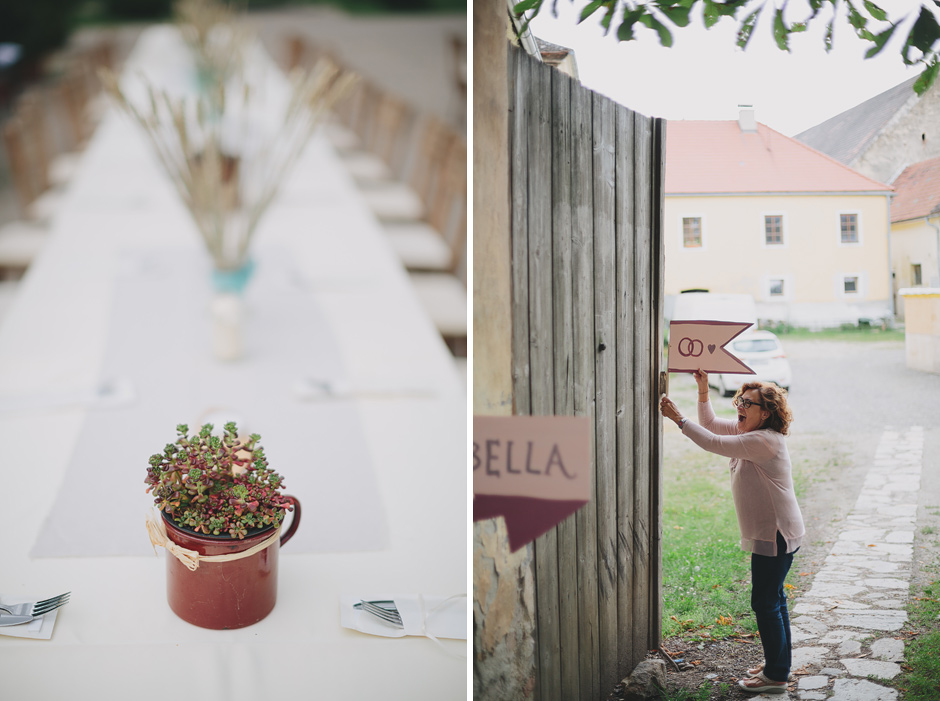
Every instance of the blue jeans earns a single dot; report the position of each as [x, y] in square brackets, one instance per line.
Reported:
[769, 602]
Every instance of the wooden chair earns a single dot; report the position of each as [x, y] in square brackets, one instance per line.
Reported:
[409, 200]
[444, 298]
[442, 287]
[14, 143]
[458, 45]
[20, 243]
[74, 93]
[435, 243]
[27, 152]
[296, 46]
[384, 153]
[8, 290]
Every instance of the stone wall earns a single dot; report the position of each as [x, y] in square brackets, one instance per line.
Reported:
[503, 585]
[912, 136]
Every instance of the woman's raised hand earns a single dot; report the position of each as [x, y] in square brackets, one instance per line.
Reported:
[701, 377]
[669, 409]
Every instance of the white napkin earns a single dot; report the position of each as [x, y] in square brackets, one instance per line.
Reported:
[311, 389]
[421, 614]
[40, 629]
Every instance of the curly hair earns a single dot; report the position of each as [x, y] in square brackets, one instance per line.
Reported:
[774, 399]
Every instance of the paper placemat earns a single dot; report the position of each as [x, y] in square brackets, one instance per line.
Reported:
[421, 614]
[160, 342]
[40, 629]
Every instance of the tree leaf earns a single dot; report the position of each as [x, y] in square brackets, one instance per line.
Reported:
[590, 9]
[828, 38]
[875, 11]
[605, 20]
[747, 28]
[856, 18]
[678, 15]
[665, 36]
[924, 32]
[781, 35]
[879, 40]
[525, 6]
[630, 17]
[927, 78]
[711, 14]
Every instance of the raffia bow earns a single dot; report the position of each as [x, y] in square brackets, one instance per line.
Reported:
[156, 529]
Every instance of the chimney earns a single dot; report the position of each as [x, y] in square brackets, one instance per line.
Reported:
[746, 120]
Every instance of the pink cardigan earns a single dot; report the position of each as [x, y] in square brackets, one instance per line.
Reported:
[761, 480]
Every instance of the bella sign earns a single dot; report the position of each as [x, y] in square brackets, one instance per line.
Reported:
[700, 345]
[534, 471]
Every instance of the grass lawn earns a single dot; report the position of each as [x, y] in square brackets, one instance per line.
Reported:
[846, 333]
[706, 575]
[920, 676]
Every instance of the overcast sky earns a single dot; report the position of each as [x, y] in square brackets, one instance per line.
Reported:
[705, 76]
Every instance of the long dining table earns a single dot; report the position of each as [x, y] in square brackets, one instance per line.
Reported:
[357, 401]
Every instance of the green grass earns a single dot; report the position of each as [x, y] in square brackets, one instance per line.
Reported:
[846, 333]
[705, 573]
[920, 676]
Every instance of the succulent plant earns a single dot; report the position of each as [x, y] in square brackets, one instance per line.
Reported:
[217, 485]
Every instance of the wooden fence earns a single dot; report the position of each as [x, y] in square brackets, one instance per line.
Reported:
[587, 260]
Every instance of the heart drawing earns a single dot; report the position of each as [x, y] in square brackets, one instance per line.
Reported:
[711, 347]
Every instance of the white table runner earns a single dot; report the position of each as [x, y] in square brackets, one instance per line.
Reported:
[159, 341]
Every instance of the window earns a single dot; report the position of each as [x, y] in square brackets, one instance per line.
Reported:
[849, 228]
[850, 284]
[692, 232]
[776, 287]
[916, 275]
[773, 230]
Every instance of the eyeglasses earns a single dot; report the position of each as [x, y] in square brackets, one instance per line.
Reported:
[746, 403]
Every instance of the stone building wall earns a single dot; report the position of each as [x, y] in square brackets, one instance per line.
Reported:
[913, 135]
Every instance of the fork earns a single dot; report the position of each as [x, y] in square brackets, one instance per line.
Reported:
[387, 613]
[37, 608]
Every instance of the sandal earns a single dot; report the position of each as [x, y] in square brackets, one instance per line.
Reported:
[754, 671]
[762, 685]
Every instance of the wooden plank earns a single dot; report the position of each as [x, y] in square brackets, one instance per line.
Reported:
[518, 182]
[563, 378]
[625, 379]
[605, 389]
[582, 299]
[541, 357]
[644, 398]
[656, 441]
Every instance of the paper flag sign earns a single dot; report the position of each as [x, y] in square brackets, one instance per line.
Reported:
[695, 345]
[534, 471]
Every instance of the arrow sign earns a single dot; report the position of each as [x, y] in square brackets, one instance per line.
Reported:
[534, 471]
[695, 345]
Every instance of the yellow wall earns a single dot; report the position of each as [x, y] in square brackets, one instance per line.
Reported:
[914, 242]
[734, 258]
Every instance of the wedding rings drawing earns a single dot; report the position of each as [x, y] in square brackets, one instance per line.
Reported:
[690, 348]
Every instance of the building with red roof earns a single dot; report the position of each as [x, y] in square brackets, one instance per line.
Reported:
[749, 210]
[915, 226]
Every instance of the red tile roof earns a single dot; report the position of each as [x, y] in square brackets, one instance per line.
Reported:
[917, 191]
[717, 157]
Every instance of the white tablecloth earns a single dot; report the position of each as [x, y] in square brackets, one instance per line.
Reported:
[118, 639]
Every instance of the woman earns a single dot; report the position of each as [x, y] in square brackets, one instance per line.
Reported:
[769, 517]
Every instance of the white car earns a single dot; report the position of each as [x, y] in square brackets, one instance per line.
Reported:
[763, 353]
